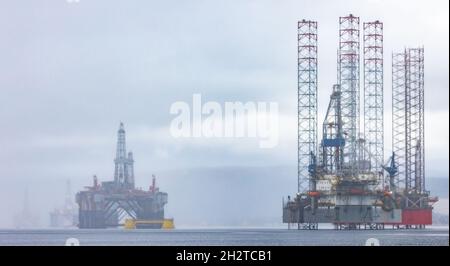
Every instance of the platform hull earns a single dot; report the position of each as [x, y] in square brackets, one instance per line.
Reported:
[358, 215]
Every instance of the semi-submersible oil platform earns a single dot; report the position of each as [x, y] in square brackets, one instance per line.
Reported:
[107, 204]
[344, 179]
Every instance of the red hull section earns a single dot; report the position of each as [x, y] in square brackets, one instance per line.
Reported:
[417, 217]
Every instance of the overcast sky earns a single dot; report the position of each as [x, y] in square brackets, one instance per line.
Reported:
[70, 72]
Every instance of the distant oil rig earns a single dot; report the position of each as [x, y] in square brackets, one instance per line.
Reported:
[107, 204]
[26, 218]
[341, 180]
[65, 216]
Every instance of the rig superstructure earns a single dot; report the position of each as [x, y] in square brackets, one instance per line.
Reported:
[344, 179]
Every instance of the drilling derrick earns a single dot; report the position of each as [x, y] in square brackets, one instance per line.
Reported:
[123, 173]
[332, 138]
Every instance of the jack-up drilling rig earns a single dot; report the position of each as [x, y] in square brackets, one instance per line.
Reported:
[341, 179]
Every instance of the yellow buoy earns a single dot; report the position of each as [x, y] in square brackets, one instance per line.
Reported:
[168, 224]
[165, 224]
[130, 224]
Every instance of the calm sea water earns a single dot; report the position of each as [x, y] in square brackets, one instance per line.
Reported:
[236, 237]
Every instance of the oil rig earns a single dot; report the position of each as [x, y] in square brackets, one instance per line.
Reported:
[344, 179]
[107, 204]
[65, 216]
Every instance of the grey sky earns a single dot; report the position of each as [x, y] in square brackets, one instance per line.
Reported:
[69, 72]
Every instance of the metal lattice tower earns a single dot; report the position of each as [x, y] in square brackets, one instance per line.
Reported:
[414, 113]
[349, 72]
[408, 118]
[399, 114]
[373, 93]
[123, 172]
[307, 99]
[421, 148]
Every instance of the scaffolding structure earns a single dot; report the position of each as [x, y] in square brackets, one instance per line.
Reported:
[307, 99]
[373, 94]
[349, 81]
